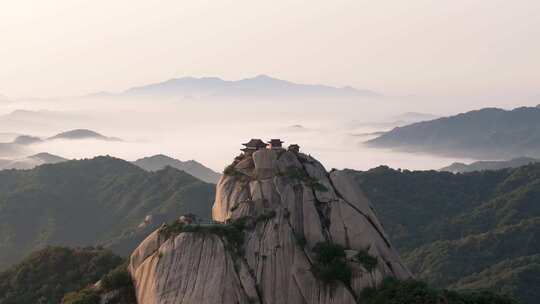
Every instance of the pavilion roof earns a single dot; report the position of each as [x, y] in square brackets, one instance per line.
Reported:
[255, 142]
[275, 141]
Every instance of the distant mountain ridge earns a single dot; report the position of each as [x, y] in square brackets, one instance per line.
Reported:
[160, 161]
[82, 134]
[261, 85]
[21, 144]
[32, 161]
[489, 165]
[26, 140]
[485, 133]
[151, 163]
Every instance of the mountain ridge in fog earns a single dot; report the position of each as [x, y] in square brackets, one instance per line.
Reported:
[150, 163]
[485, 133]
[31, 161]
[484, 165]
[261, 85]
[26, 140]
[160, 161]
[22, 144]
[82, 134]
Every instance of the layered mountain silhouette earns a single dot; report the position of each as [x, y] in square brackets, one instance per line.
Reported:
[151, 163]
[22, 144]
[160, 161]
[261, 85]
[489, 165]
[31, 161]
[26, 140]
[82, 134]
[485, 133]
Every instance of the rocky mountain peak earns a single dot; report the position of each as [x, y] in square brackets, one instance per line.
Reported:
[285, 231]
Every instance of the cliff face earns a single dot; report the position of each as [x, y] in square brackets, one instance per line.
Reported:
[282, 210]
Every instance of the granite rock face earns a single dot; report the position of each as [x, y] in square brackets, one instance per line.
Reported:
[291, 204]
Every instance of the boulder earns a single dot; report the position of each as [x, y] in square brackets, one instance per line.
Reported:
[280, 207]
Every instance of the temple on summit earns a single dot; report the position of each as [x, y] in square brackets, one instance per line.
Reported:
[274, 144]
[253, 145]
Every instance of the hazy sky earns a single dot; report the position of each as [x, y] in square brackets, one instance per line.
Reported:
[439, 48]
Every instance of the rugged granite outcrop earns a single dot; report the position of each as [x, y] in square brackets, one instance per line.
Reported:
[278, 210]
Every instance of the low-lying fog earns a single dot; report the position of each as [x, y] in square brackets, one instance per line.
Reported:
[211, 130]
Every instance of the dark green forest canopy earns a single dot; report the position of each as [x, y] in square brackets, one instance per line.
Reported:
[46, 275]
[99, 201]
[392, 291]
[467, 231]
[471, 230]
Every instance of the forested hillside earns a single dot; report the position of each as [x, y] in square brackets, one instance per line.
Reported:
[101, 201]
[479, 229]
[46, 275]
[483, 134]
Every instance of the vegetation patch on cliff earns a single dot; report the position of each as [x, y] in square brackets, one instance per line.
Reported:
[118, 278]
[232, 232]
[330, 263]
[368, 261]
[231, 170]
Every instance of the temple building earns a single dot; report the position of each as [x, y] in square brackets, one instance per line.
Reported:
[294, 148]
[275, 144]
[253, 145]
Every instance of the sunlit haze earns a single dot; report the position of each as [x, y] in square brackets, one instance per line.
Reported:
[431, 57]
[427, 48]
